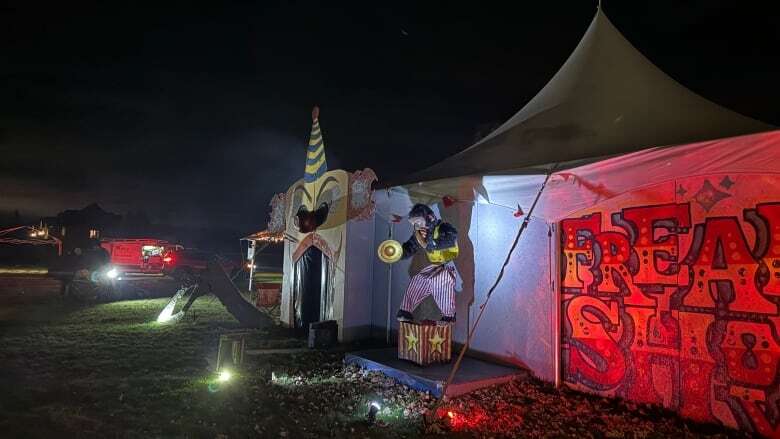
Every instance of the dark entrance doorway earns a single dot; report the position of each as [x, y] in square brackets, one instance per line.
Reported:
[311, 287]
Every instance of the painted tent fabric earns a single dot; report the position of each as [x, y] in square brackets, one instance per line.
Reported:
[670, 287]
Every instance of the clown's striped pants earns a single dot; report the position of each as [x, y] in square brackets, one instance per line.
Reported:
[436, 280]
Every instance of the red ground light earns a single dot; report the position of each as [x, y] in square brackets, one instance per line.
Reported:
[459, 420]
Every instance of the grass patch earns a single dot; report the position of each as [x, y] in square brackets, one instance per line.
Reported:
[102, 368]
[110, 370]
[23, 269]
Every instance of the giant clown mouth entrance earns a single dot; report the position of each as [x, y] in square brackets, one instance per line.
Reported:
[312, 281]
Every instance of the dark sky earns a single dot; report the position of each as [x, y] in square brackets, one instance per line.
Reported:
[199, 114]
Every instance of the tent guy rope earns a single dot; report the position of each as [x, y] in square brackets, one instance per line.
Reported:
[482, 307]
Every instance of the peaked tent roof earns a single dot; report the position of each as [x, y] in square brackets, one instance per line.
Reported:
[606, 99]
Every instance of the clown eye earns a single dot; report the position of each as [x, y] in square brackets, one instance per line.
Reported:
[321, 214]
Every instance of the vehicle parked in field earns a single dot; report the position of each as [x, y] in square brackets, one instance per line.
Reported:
[180, 262]
[145, 255]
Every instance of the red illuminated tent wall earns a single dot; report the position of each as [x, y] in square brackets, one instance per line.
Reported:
[670, 279]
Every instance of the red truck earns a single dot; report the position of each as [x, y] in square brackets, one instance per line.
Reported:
[156, 256]
[180, 261]
[145, 255]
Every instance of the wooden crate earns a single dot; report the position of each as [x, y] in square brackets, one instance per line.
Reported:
[268, 294]
[425, 344]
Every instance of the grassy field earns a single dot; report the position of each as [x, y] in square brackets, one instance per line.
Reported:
[110, 371]
[4, 269]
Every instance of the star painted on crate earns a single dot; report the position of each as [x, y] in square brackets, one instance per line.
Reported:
[708, 196]
[411, 342]
[726, 182]
[681, 191]
[436, 342]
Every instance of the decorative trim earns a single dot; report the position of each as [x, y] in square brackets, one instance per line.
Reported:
[277, 221]
[312, 240]
[361, 204]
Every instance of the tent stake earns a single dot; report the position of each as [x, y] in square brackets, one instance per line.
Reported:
[482, 307]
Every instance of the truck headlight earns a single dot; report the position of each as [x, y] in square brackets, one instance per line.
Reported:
[112, 273]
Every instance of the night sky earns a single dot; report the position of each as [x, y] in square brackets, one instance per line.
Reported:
[198, 115]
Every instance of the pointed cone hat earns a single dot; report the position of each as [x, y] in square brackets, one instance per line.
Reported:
[316, 165]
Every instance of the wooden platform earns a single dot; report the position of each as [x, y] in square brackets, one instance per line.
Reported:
[473, 374]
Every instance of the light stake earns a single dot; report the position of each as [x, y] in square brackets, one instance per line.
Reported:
[224, 376]
[373, 409]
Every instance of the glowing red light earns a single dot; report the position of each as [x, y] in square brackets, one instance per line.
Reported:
[167, 259]
[472, 418]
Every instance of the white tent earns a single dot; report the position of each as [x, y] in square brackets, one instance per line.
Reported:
[606, 100]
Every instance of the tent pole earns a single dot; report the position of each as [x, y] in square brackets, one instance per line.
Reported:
[251, 266]
[482, 307]
[389, 289]
[555, 267]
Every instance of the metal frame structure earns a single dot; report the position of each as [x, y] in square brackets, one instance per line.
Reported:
[33, 237]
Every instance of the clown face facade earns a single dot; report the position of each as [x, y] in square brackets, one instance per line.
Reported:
[327, 220]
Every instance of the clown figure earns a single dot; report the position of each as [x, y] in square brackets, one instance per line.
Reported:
[439, 241]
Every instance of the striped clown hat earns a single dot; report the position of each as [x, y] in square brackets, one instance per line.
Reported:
[315, 153]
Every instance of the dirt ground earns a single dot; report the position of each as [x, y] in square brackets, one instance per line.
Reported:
[109, 370]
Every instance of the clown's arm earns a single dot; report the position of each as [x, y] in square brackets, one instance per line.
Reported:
[447, 238]
[410, 247]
